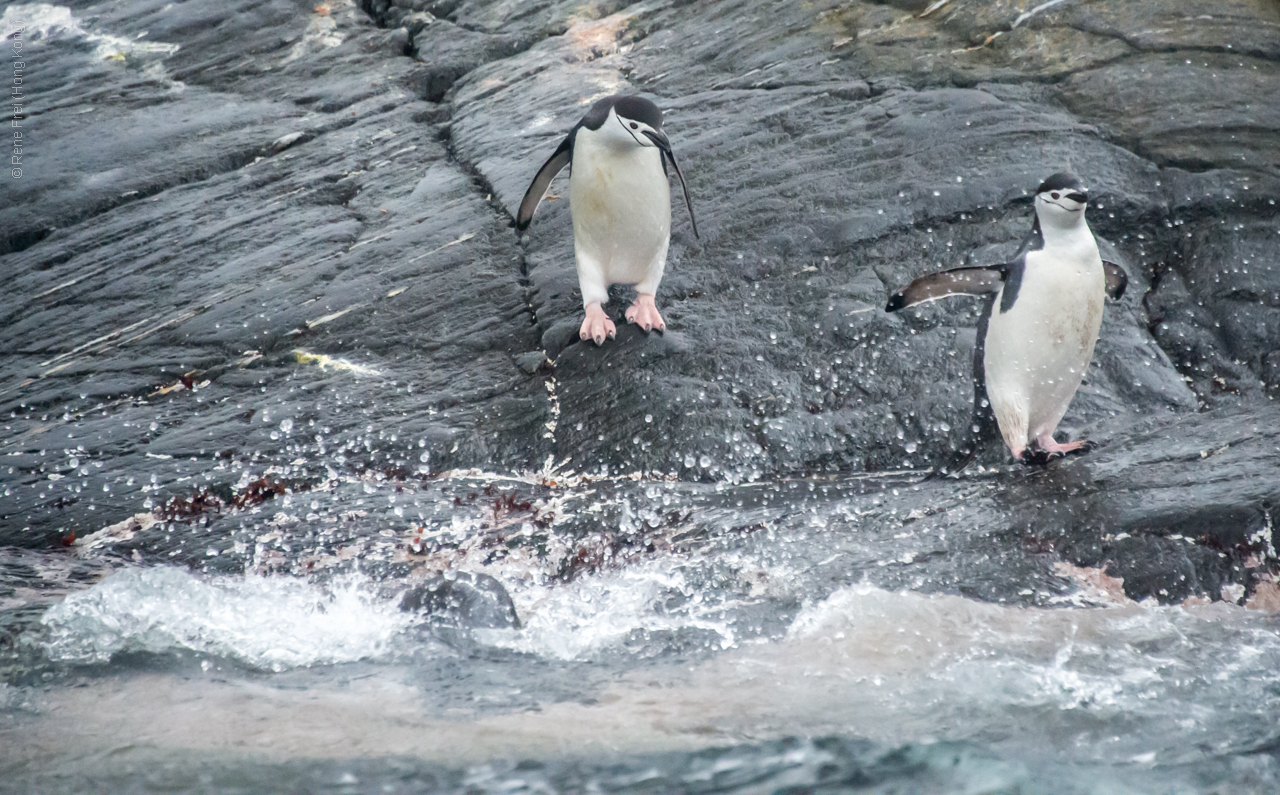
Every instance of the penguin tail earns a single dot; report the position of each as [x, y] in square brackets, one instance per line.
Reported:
[984, 428]
[958, 463]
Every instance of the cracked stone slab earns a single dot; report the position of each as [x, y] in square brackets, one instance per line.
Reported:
[229, 320]
[910, 179]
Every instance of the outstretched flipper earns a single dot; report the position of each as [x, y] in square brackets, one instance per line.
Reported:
[984, 280]
[542, 180]
[1117, 280]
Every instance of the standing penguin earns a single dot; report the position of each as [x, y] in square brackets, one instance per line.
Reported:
[1039, 326]
[621, 207]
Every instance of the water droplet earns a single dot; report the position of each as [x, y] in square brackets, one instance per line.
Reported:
[73, 463]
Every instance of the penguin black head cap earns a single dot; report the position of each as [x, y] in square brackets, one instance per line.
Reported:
[636, 108]
[1065, 182]
[639, 109]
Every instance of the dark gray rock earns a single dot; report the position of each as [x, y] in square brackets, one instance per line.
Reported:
[280, 257]
[464, 599]
[757, 120]
[446, 52]
[186, 337]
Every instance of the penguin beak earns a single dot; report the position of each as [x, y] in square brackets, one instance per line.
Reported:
[1081, 198]
[659, 140]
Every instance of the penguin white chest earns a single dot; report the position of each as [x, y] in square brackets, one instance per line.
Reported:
[621, 207]
[1037, 352]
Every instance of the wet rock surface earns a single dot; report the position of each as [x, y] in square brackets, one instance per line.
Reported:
[245, 243]
[467, 599]
[268, 312]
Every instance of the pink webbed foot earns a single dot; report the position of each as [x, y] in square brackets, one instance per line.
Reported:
[597, 326]
[1053, 448]
[1046, 448]
[644, 313]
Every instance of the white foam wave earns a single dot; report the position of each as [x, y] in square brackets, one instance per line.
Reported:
[56, 23]
[272, 623]
[601, 612]
[1122, 657]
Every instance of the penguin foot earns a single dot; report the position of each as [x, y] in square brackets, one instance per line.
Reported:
[597, 326]
[1051, 446]
[644, 313]
[1032, 456]
[1047, 449]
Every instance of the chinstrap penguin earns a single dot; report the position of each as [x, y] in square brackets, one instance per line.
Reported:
[1038, 327]
[621, 207]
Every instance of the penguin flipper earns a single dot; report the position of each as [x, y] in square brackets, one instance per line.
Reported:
[984, 280]
[1117, 280]
[688, 202]
[542, 181]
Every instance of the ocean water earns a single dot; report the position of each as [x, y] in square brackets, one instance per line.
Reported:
[713, 657]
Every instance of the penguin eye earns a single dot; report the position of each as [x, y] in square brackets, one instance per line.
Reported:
[1054, 195]
[635, 126]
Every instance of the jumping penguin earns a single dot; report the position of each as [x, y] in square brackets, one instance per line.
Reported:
[1032, 351]
[621, 207]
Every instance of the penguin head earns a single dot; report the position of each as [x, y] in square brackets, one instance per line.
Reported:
[629, 122]
[1060, 201]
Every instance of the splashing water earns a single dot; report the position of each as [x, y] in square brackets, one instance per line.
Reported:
[596, 614]
[271, 623]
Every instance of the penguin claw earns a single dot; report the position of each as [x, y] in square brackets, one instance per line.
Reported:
[644, 313]
[597, 326]
[1032, 457]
